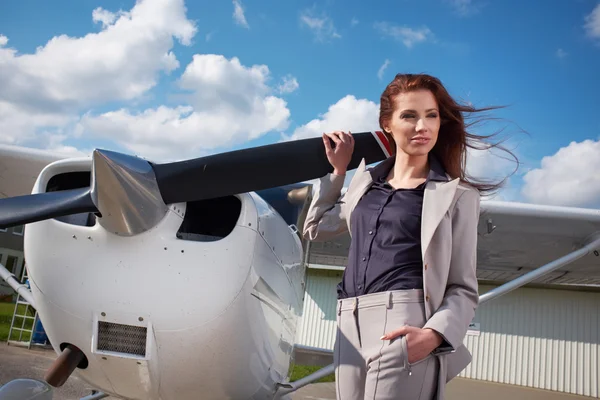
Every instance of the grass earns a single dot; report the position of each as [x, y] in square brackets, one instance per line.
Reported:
[300, 371]
[6, 314]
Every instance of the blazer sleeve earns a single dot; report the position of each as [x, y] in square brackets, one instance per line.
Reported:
[457, 310]
[326, 216]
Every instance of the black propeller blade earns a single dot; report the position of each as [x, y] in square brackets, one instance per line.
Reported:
[255, 169]
[213, 176]
[36, 207]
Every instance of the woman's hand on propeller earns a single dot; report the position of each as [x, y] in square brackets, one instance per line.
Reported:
[339, 156]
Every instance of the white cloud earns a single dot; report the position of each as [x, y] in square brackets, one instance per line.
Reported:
[464, 8]
[238, 14]
[229, 103]
[18, 125]
[121, 62]
[348, 114]
[569, 177]
[321, 26]
[560, 53]
[408, 36]
[592, 23]
[221, 102]
[383, 68]
[105, 17]
[354, 21]
[289, 84]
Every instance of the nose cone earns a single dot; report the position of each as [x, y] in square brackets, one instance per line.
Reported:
[125, 191]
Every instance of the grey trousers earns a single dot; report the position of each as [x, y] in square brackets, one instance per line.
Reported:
[367, 367]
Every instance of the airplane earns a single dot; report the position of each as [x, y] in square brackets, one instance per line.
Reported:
[174, 280]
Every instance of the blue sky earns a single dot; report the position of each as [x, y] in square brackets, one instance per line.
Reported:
[172, 80]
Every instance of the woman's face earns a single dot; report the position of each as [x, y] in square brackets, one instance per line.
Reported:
[415, 123]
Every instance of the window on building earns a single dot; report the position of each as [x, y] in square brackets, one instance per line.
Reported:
[18, 230]
[11, 263]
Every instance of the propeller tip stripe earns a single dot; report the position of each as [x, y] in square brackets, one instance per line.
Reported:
[383, 142]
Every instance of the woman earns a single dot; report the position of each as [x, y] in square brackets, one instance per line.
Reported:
[409, 290]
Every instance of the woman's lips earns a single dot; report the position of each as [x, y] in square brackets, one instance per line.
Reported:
[420, 140]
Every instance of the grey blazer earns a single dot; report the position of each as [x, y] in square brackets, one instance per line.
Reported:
[449, 251]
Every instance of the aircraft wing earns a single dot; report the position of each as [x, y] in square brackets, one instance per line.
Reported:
[514, 239]
[19, 168]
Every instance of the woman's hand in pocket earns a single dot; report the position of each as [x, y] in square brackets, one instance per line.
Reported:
[419, 342]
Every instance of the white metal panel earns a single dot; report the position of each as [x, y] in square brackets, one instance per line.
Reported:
[543, 338]
[318, 323]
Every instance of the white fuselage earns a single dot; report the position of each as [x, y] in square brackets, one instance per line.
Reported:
[219, 316]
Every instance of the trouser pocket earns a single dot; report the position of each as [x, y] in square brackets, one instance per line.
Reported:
[408, 365]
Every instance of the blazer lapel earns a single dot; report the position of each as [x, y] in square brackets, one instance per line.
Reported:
[436, 201]
[358, 186]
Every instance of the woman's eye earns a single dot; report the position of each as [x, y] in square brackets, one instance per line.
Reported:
[432, 115]
[408, 116]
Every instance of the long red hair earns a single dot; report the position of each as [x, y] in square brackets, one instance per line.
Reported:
[453, 138]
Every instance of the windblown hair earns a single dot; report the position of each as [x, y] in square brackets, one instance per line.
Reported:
[454, 137]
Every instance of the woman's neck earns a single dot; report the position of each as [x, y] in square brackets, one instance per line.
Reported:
[409, 171]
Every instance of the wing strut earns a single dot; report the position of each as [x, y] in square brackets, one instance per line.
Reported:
[95, 396]
[287, 388]
[541, 271]
[21, 289]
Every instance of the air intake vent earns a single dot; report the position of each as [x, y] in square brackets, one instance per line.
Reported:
[121, 338]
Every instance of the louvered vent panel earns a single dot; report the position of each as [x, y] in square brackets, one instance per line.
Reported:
[121, 338]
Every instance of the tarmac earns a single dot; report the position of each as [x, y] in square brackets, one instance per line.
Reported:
[20, 362]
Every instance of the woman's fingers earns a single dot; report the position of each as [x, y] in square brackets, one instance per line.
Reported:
[327, 143]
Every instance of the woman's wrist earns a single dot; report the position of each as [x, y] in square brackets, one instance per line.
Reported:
[436, 338]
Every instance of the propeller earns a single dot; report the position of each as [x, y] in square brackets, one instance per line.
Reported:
[132, 193]
[21, 210]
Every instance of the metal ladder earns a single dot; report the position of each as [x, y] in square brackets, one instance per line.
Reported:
[22, 314]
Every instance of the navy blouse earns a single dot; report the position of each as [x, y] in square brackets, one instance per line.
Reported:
[385, 252]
